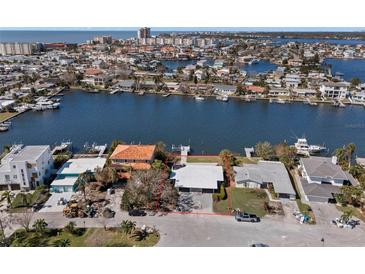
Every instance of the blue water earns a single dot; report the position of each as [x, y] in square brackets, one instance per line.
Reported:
[207, 126]
[316, 40]
[259, 67]
[351, 68]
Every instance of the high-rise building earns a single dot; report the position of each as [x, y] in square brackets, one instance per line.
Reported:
[16, 48]
[103, 39]
[144, 33]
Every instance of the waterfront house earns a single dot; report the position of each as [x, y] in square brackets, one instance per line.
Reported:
[334, 90]
[292, 80]
[68, 174]
[274, 92]
[265, 175]
[359, 97]
[25, 167]
[137, 157]
[204, 178]
[125, 85]
[322, 178]
[225, 89]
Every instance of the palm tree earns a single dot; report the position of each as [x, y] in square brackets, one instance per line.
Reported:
[62, 243]
[140, 234]
[70, 227]
[127, 226]
[7, 195]
[82, 181]
[40, 226]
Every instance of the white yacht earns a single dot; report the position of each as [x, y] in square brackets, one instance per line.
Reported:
[199, 98]
[303, 148]
[223, 98]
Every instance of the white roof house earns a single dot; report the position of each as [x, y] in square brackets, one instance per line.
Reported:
[265, 172]
[70, 171]
[78, 166]
[194, 177]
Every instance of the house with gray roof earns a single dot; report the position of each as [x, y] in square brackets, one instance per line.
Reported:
[322, 178]
[323, 170]
[263, 175]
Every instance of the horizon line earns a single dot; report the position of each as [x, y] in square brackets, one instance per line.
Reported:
[187, 29]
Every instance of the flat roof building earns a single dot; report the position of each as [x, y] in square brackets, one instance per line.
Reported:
[197, 177]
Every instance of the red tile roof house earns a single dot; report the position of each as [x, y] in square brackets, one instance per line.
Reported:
[138, 157]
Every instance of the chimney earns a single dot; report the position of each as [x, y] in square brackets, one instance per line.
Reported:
[334, 160]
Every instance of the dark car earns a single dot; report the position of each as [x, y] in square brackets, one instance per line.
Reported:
[246, 217]
[136, 212]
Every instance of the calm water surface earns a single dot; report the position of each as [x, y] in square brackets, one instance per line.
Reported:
[207, 126]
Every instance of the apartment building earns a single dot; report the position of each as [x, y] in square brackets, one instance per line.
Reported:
[16, 48]
[25, 167]
[334, 90]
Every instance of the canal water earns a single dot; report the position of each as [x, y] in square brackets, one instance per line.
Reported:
[207, 126]
[351, 68]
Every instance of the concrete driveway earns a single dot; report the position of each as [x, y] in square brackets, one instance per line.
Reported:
[52, 206]
[324, 213]
[195, 202]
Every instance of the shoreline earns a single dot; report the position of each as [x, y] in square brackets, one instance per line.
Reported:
[238, 97]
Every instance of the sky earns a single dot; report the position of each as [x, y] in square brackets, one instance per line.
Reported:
[228, 29]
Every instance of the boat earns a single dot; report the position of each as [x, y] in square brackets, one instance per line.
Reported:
[338, 104]
[113, 91]
[199, 98]
[281, 101]
[141, 93]
[223, 98]
[3, 128]
[166, 95]
[303, 148]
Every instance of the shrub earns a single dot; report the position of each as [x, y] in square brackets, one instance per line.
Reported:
[222, 195]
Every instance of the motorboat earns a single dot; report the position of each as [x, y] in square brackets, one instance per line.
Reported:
[223, 98]
[303, 148]
[199, 98]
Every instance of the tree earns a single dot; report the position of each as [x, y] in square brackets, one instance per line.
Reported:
[158, 164]
[106, 175]
[7, 195]
[5, 222]
[24, 220]
[62, 243]
[355, 82]
[82, 181]
[149, 189]
[127, 226]
[351, 195]
[286, 154]
[160, 151]
[70, 227]
[140, 235]
[264, 150]
[345, 155]
[40, 226]
[227, 154]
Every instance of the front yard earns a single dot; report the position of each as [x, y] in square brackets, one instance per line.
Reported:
[91, 237]
[204, 159]
[6, 115]
[246, 199]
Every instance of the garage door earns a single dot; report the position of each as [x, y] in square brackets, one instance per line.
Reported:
[196, 190]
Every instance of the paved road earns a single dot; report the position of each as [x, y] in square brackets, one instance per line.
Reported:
[213, 230]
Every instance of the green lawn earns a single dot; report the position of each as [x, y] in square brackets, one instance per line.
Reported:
[246, 199]
[204, 159]
[245, 160]
[6, 115]
[92, 237]
[354, 211]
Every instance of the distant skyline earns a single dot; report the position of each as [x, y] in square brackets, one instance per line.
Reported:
[224, 29]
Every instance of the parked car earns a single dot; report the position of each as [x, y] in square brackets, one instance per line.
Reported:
[136, 212]
[246, 217]
[345, 222]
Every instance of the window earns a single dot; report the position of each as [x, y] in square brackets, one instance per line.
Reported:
[15, 177]
[14, 166]
[7, 178]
